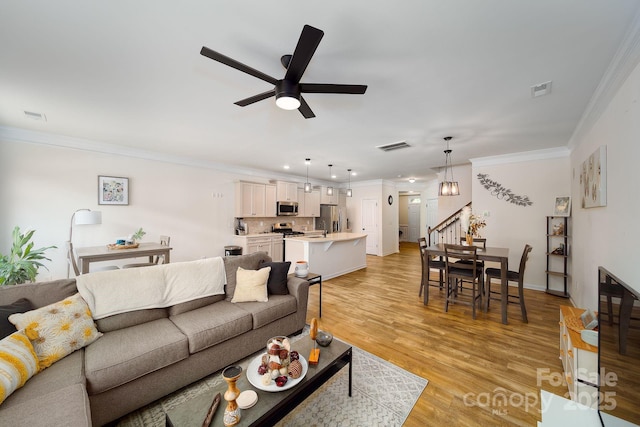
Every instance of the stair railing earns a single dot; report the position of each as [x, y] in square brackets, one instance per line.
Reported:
[448, 231]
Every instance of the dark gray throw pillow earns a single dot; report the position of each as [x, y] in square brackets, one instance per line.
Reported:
[21, 306]
[277, 283]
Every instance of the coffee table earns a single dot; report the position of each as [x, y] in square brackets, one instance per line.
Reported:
[271, 406]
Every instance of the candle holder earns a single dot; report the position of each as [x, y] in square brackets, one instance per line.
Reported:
[232, 412]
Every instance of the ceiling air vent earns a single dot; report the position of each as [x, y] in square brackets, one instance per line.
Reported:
[541, 89]
[394, 146]
[35, 116]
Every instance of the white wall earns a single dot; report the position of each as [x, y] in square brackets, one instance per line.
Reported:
[541, 177]
[608, 236]
[43, 185]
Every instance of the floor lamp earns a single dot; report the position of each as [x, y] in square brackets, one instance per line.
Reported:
[83, 217]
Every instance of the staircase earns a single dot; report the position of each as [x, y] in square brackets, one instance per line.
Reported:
[448, 231]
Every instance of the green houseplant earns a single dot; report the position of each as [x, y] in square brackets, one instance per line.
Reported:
[22, 263]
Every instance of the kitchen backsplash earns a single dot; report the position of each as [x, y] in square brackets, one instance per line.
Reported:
[261, 225]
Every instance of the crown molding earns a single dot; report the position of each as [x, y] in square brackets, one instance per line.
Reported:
[623, 63]
[18, 135]
[526, 156]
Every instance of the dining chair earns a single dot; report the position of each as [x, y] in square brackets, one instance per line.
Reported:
[512, 276]
[71, 259]
[436, 264]
[164, 241]
[468, 272]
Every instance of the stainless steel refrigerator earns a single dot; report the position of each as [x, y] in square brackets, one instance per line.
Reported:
[329, 219]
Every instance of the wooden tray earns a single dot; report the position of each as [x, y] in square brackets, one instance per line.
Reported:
[113, 246]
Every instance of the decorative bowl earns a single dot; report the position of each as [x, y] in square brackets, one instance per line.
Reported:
[324, 338]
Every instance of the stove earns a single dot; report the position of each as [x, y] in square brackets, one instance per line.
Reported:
[286, 229]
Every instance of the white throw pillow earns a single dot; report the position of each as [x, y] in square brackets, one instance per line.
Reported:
[251, 285]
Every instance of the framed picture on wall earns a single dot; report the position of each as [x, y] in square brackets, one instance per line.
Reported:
[113, 190]
[562, 206]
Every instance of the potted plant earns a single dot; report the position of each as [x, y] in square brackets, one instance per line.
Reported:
[138, 235]
[22, 263]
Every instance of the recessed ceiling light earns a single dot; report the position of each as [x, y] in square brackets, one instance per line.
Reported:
[541, 89]
[35, 116]
[412, 180]
[286, 166]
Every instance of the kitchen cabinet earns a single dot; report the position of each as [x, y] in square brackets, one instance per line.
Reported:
[287, 191]
[326, 199]
[272, 244]
[308, 203]
[270, 205]
[255, 200]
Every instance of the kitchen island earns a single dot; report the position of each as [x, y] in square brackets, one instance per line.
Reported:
[331, 256]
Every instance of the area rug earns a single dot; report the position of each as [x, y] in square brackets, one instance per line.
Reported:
[383, 395]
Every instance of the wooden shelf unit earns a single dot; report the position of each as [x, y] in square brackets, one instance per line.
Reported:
[554, 240]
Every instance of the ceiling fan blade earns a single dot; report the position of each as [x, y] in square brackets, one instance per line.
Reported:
[305, 109]
[256, 98]
[205, 51]
[331, 88]
[306, 47]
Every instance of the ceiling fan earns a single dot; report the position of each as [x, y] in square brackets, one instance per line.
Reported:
[288, 91]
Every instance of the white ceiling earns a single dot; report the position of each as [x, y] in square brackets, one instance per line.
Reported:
[129, 74]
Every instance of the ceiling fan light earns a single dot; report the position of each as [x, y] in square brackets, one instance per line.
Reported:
[288, 103]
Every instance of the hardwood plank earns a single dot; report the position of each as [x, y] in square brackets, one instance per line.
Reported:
[480, 372]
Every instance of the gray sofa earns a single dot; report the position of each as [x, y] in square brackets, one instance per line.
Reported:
[147, 354]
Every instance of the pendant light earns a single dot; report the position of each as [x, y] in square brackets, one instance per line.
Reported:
[330, 188]
[448, 188]
[349, 192]
[307, 185]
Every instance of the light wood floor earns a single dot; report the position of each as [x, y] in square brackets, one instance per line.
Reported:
[480, 372]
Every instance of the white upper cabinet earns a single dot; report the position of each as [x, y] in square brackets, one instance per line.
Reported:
[287, 191]
[326, 199]
[270, 200]
[250, 199]
[312, 203]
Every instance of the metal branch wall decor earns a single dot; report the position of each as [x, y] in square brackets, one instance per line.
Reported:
[502, 192]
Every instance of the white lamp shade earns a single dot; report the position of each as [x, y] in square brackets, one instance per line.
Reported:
[88, 217]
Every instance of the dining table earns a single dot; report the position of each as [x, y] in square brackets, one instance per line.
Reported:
[87, 255]
[491, 254]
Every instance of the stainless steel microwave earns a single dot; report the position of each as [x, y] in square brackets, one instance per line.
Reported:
[287, 208]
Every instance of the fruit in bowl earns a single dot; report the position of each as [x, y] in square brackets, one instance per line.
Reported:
[275, 363]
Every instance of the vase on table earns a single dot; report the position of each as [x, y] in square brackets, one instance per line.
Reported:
[469, 239]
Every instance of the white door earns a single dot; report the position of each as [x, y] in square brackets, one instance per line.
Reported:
[370, 224]
[414, 222]
[432, 216]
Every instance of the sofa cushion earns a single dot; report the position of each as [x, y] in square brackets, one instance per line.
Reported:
[66, 406]
[251, 285]
[195, 304]
[126, 354]
[58, 329]
[18, 363]
[66, 372]
[277, 283]
[248, 262]
[210, 325]
[39, 294]
[124, 320]
[20, 306]
[276, 308]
